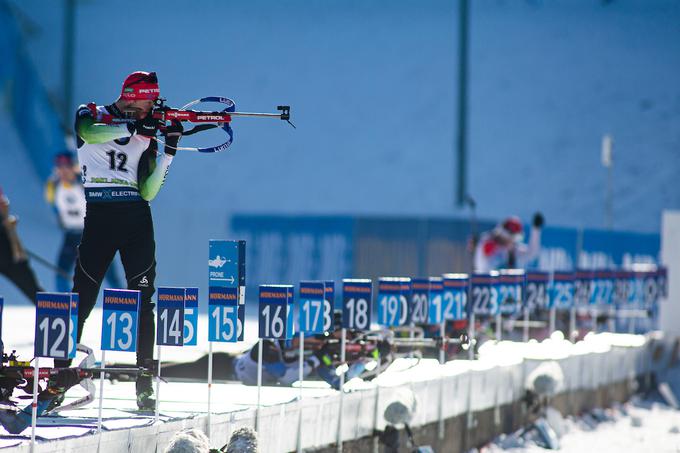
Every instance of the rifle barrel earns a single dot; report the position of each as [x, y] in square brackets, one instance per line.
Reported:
[262, 115]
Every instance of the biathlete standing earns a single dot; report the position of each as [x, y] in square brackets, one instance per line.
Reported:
[121, 174]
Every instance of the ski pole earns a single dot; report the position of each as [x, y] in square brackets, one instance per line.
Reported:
[61, 272]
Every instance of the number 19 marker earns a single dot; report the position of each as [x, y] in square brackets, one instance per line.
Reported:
[393, 300]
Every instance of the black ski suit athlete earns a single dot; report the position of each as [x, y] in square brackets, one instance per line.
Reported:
[120, 174]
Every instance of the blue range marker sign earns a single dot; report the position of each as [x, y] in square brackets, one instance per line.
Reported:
[455, 296]
[356, 306]
[227, 269]
[276, 312]
[120, 317]
[170, 316]
[52, 319]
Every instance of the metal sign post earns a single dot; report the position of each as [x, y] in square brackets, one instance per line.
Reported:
[119, 330]
[226, 300]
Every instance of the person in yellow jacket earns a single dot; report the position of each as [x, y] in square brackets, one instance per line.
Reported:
[64, 192]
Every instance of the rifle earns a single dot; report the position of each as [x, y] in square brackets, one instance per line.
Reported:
[387, 344]
[205, 120]
[18, 374]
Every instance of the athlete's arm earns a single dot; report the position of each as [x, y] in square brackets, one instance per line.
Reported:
[92, 132]
[9, 223]
[531, 251]
[150, 185]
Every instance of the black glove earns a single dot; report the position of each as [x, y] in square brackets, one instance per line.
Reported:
[146, 127]
[172, 135]
[65, 379]
[538, 220]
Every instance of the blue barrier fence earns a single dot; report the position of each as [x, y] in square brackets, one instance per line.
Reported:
[34, 116]
[293, 248]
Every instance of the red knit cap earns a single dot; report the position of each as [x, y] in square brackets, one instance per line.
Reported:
[140, 85]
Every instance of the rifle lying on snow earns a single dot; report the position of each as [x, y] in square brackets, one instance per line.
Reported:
[18, 374]
[204, 120]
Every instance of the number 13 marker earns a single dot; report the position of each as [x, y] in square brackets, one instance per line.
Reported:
[119, 326]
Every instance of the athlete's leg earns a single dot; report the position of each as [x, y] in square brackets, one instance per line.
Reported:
[67, 258]
[95, 252]
[138, 256]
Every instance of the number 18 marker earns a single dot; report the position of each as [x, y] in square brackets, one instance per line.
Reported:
[356, 305]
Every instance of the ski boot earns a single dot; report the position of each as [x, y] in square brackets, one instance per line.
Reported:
[144, 387]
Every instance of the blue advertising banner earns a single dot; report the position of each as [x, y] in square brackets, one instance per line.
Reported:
[609, 249]
[357, 303]
[559, 249]
[295, 248]
[120, 317]
[52, 319]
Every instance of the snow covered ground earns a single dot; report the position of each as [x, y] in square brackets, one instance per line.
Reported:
[497, 378]
[641, 425]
